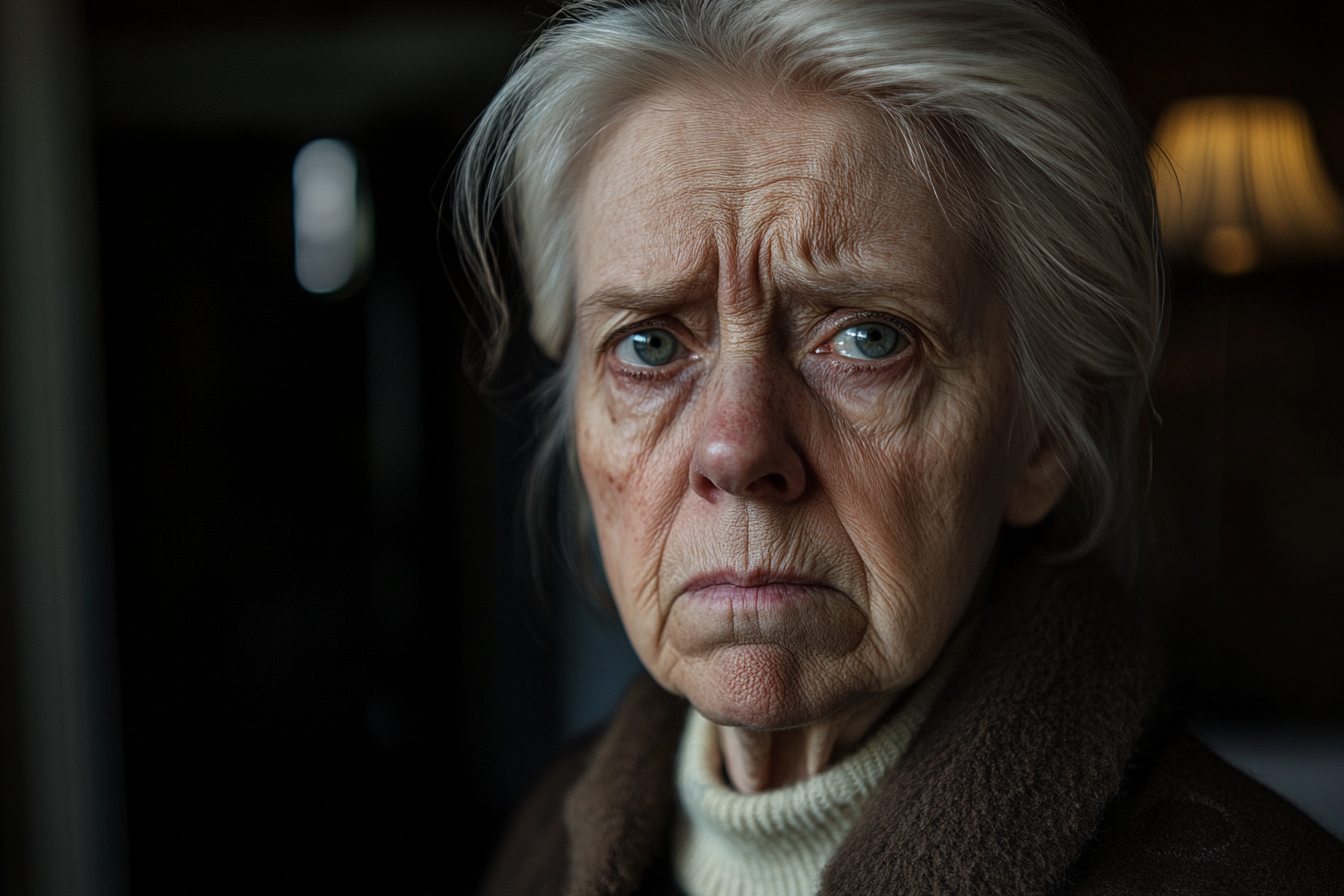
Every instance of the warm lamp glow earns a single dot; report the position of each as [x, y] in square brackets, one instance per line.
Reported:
[1240, 183]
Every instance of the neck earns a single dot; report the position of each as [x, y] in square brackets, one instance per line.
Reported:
[763, 760]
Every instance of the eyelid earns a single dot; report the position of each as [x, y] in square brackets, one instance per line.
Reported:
[626, 351]
[854, 319]
[654, 323]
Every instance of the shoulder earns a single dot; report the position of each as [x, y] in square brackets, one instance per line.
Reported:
[600, 817]
[1191, 823]
[533, 857]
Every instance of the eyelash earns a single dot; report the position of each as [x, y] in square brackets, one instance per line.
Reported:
[656, 323]
[901, 326]
[608, 345]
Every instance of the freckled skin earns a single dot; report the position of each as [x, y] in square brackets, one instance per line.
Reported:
[755, 226]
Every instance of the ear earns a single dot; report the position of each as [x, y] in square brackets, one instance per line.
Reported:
[1040, 483]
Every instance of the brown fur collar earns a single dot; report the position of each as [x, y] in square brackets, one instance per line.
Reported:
[1000, 792]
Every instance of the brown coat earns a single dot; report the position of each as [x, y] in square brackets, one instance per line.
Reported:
[1046, 767]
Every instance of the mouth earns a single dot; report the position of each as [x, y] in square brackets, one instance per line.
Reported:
[803, 614]
[761, 587]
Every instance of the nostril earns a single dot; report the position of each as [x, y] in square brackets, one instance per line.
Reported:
[775, 482]
[704, 485]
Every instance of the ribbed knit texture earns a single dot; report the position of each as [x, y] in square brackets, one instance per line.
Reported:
[776, 843]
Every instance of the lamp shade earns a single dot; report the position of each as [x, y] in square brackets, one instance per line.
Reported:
[1240, 184]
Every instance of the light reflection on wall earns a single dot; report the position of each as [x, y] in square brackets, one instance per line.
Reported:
[332, 218]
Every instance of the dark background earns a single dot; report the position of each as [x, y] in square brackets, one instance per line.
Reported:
[330, 677]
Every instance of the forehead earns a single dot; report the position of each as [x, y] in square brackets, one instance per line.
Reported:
[700, 182]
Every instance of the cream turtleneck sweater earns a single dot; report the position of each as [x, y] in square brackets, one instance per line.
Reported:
[777, 843]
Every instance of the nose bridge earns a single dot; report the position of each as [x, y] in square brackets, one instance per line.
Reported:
[745, 446]
[747, 376]
[750, 383]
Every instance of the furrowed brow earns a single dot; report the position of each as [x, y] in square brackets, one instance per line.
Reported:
[838, 292]
[933, 308]
[841, 291]
[649, 300]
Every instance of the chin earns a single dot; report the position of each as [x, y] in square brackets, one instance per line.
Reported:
[758, 686]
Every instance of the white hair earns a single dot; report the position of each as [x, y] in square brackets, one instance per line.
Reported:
[1003, 107]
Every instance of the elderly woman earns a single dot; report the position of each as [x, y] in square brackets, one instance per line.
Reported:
[855, 304]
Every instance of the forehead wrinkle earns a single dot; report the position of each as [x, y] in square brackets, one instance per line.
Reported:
[758, 211]
[780, 231]
[823, 221]
[755, 180]
[650, 299]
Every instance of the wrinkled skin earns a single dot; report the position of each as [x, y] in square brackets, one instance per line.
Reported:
[791, 535]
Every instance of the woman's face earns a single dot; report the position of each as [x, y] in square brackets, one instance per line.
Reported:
[795, 403]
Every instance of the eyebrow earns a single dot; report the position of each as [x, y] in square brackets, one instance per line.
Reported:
[847, 288]
[942, 309]
[681, 292]
[653, 298]
[841, 292]
[837, 291]
[650, 301]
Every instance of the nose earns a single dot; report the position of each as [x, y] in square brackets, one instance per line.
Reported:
[745, 449]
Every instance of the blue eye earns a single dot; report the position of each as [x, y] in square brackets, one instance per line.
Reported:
[649, 348]
[869, 341]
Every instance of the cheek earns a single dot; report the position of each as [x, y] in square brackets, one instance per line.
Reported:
[613, 450]
[932, 451]
[873, 464]
[635, 476]
[963, 453]
[918, 483]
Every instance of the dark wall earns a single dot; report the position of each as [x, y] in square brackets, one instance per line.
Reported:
[328, 680]
[301, 655]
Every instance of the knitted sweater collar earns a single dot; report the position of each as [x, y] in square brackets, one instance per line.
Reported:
[999, 793]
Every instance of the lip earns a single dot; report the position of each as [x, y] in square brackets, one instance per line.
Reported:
[802, 613]
[734, 590]
[752, 579]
